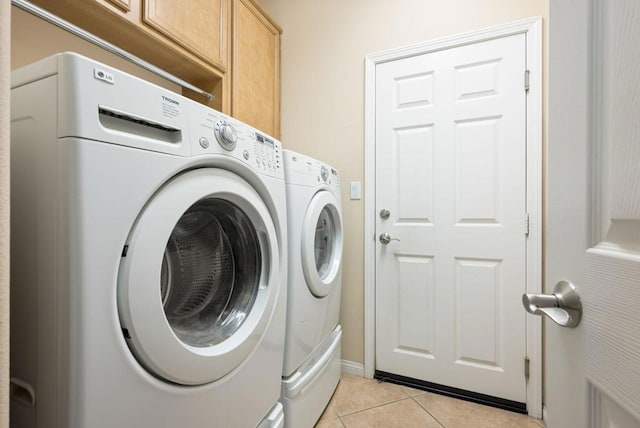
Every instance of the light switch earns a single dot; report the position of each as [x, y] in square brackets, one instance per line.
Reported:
[355, 190]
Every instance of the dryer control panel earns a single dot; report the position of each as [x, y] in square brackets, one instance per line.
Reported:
[306, 171]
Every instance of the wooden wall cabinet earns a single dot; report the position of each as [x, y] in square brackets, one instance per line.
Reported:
[187, 38]
[255, 68]
[125, 5]
[230, 48]
[199, 26]
[196, 25]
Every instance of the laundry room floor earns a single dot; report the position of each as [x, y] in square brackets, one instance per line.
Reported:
[360, 402]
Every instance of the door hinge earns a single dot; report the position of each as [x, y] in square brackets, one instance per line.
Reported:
[526, 80]
[526, 224]
[526, 368]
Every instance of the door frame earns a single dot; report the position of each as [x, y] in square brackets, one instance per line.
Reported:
[532, 28]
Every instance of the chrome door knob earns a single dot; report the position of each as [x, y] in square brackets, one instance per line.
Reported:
[563, 306]
[385, 238]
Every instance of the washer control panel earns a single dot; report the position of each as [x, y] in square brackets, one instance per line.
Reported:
[268, 153]
[234, 139]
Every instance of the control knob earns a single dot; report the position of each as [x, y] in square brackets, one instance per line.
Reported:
[226, 135]
[324, 173]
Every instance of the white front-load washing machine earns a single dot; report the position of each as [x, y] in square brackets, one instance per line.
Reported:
[148, 264]
[312, 361]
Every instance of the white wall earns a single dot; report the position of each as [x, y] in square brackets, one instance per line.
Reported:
[5, 12]
[324, 44]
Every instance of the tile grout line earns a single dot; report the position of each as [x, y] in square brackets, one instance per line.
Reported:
[428, 412]
[372, 407]
[384, 404]
[408, 395]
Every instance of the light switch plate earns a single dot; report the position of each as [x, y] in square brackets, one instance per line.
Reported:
[355, 190]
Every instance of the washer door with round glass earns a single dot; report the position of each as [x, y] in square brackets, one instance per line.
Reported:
[322, 244]
[199, 277]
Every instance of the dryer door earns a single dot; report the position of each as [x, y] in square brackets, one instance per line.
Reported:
[199, 277]
[322, 243]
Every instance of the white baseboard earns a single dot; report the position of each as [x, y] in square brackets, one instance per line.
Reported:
[352, 368]
[545, 414]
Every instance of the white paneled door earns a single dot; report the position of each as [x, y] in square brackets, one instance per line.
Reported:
[450, 138]
[592, 372]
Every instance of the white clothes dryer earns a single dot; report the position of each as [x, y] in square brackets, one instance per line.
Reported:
[148, 256]
[312, 361]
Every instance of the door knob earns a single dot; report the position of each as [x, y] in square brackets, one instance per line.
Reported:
[385, 238]
[563, 306]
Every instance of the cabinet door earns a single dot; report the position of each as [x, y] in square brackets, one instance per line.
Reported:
[197, 25]
[255, 93]
[125, 5]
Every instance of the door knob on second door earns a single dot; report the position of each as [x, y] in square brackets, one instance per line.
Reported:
[385, 238]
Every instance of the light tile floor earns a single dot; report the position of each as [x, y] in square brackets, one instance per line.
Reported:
[360, 402]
